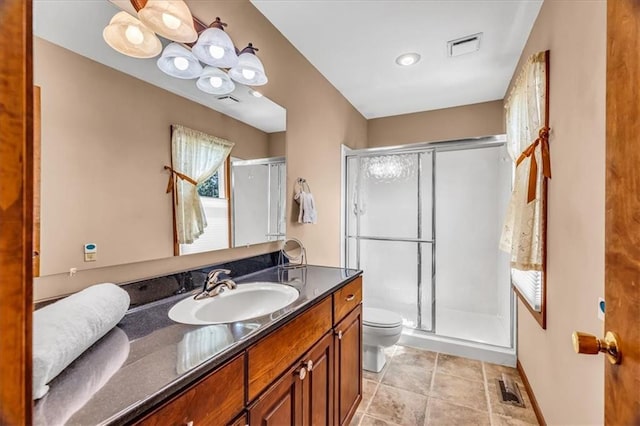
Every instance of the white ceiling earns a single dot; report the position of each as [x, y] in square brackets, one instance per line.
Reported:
[354, 44]
[77, 26]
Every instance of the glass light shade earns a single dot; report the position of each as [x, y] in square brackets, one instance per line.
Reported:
[171, 19]
[178, 61]
[131, 37]
[249, 70]
[215, 81]
[214, 47]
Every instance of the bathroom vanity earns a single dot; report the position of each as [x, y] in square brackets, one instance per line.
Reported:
[308, 371]
[300, 365]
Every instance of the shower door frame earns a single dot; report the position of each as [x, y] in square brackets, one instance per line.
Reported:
[417, 149]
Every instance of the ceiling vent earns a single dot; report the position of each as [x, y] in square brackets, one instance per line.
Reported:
[464, 45]
[228, 99]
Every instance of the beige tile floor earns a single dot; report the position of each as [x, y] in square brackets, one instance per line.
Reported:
[418, 387]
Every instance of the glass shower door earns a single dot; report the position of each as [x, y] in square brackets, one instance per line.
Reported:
[387, 234]
[473, 284]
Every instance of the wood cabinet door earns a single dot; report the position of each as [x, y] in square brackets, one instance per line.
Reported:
[207, 402]
[317, 394]
[281, 404]
[348, 366]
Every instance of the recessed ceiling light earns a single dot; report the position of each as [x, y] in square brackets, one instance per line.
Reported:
[407, 59]
[255, 93]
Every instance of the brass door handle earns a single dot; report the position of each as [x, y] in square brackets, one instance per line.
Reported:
[584, 343]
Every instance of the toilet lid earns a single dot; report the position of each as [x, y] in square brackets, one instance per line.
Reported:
[380, 318]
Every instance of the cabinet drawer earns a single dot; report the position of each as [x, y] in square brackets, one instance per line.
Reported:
[347, 298]
[214, 400]
[272, 355]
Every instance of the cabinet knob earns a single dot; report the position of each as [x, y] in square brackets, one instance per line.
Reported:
[302, 373]
[309, 365]
[189, 423]
[339, 334]
[350, 297]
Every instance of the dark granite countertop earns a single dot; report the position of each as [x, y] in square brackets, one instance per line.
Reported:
[148, 357]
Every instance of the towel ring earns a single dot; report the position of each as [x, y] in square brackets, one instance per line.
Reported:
[303, 184]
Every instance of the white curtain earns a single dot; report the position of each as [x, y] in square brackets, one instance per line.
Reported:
[196, 156]
[527, 139]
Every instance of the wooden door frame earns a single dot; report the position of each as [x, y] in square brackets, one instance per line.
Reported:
[622, 239]
[16, 211]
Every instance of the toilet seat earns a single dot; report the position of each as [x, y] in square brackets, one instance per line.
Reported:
[380, 318]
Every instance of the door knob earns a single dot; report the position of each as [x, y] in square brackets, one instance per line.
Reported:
[584, 343]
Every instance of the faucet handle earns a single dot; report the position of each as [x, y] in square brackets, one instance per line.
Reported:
[213, 274]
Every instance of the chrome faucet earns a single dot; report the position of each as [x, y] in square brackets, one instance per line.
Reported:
[213, 286]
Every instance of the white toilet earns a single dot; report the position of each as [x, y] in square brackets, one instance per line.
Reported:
[380, 329]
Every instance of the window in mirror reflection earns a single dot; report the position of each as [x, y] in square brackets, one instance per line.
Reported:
[216, 209]
[210, 187]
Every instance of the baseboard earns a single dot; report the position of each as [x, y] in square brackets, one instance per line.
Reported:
[532, 397]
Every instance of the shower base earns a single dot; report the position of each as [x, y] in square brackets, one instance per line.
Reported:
[458, 347]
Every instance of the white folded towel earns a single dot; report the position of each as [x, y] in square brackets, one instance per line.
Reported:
[308, 212]
[82, 379]
[63, 330]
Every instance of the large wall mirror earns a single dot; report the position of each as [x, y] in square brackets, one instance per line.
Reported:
[105, 139]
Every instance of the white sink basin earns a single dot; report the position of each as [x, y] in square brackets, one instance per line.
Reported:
[247, 301]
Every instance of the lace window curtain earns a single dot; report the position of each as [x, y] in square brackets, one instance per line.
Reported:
[196, 156]
[527, 138]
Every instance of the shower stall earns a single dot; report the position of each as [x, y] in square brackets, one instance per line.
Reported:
[423, 222]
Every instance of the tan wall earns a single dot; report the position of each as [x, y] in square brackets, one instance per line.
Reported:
[569, 387]
[277, 144]
[484, 119]
[319, 120]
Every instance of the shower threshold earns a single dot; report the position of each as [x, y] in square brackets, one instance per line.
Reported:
[458, 347]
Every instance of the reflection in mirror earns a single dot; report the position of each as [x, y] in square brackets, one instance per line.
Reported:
[106, 137]
[258, 194]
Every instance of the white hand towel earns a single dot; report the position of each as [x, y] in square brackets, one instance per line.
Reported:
[63, 330]
[307, 212]
[310, 215]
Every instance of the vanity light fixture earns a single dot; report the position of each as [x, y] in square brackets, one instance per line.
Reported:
[131, 37]
[173, 20]
[215, 81]
[178, 61]
[169, 18]
[407, 59]
[214, 46]
[249, 70]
